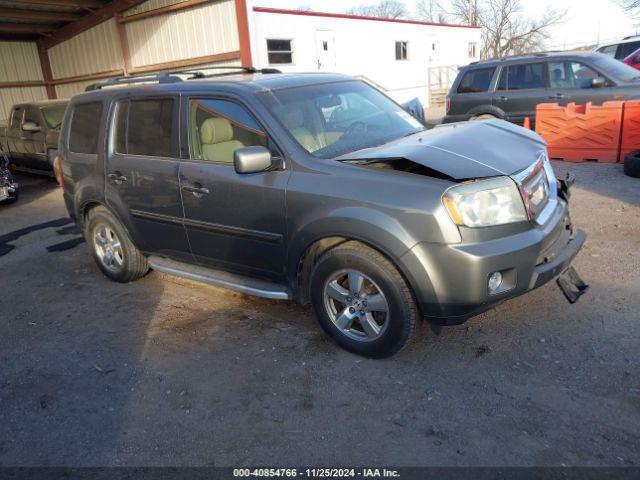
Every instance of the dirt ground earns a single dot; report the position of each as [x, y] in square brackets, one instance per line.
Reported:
[167, 372]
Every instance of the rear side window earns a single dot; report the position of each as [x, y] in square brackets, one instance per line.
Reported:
[626, 49]
[31, 115]
[145, 127]
[608, 50]
[85, 125]
[475, 81]
[522, 77]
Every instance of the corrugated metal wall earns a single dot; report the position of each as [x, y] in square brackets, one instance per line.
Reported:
[150, 5]
[93, 51]
[200, 31]
[11, 96]
[68, 90]
[19, 62]
[206, 30]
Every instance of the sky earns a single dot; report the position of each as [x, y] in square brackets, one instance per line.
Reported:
[586, 22]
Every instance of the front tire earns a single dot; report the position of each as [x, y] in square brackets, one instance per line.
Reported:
[112, 249]
[362, 301]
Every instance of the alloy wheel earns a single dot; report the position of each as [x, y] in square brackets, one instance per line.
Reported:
[108, 247]
[356, 305]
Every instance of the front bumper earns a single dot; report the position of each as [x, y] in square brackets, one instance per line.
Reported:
[456, 276]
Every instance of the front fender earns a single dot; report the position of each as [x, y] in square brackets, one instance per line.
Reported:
[376, 229]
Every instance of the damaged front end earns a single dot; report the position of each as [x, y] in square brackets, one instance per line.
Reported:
[8, 185]
[509, 208]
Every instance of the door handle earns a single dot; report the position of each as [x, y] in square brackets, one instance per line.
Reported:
[196, 189]
[502, 98]
[117, 178]
[558, 96]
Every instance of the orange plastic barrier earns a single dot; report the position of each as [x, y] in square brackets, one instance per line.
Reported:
[630, 138]
[576, 133]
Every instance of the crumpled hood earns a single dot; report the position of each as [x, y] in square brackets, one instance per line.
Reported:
[464, 150]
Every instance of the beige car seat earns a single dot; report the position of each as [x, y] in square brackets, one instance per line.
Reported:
[294, 121]
[218, 145]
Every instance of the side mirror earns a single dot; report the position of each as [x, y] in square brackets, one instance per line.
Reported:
[252, 159]
[30, 127]
[598, 82]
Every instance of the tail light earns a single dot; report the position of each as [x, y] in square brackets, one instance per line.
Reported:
[448, 104]
[57, 170]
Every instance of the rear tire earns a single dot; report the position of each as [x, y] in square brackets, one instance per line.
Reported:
[484, 116]
[632, 164]
[362, 301]
[112, 249]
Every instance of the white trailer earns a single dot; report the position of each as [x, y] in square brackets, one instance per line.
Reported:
[407, 59]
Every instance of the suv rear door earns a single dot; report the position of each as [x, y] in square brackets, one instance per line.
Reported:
[471, 95]
[520, 88]
[142, 173]
[234, 221]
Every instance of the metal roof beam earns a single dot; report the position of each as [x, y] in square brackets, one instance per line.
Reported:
[38, 15]
[26, 28]
[85, 23]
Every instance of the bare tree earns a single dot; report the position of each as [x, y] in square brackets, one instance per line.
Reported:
[630, 6]
[383, 9]
[506, 31]
[466, 11]
[431, 11]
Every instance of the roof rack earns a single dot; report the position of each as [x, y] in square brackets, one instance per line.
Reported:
[173, 76]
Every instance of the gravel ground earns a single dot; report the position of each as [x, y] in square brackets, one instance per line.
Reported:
[167, 372]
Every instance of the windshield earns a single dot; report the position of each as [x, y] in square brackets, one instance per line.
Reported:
[337, 118]
[615, 68]
[54, 114]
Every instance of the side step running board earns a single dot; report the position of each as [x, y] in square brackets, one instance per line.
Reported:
[218, 278]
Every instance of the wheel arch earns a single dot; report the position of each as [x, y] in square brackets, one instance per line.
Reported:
[303, 255]
[487, 110]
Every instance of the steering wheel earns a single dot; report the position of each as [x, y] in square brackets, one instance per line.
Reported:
[354, 127]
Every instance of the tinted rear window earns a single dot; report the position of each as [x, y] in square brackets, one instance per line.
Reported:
[626, 49]
[85, 125]
[522, 77]
[477, 80]
[145, 127]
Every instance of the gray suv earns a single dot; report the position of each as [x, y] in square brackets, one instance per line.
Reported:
[315, 188]
[510, 88]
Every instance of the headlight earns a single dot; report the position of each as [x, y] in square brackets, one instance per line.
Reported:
[485, 203]
[534, 188]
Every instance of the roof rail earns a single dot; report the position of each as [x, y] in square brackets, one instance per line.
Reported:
[173, 76]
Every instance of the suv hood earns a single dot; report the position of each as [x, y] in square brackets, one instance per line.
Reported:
[463, 150]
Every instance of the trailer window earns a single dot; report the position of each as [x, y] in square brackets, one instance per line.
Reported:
[279, 51]
[402, 50]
